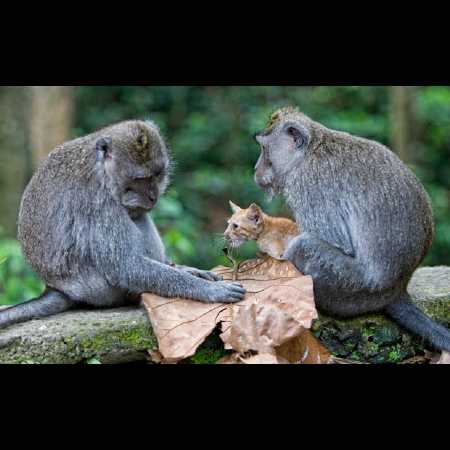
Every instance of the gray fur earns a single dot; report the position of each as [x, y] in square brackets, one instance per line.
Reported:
[84, 227]
[366, 218]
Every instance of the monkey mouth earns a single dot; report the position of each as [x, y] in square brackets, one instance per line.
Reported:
[151, 202]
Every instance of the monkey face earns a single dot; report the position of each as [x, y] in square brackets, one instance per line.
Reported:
[283, 146]
[140, 194]
[136, 164]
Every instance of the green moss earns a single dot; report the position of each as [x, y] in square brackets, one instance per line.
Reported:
[71, 349]
[372, 338]
[99, 345]
[437, 310]
[209, 352]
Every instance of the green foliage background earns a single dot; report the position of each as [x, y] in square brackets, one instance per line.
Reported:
[209, 130]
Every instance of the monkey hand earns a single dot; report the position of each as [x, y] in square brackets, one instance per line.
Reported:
[295, 247]
[205, 274]
[300, 250]
[225, 292]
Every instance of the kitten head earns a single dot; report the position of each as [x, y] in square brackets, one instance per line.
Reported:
[244, 225]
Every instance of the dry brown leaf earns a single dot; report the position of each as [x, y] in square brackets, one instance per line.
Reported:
[415, 360]
[444, 358]
[304, 349]
[181, 325]
[232, 358]
[155, 356]
[263, 358]
[278, 307]
[337, 360]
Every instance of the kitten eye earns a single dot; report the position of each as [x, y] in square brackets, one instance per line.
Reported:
[235, 226]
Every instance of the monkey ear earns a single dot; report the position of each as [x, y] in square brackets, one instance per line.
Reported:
[254, 213]
[142, 139]
[234, 208]
[299, 134]
[103, 148]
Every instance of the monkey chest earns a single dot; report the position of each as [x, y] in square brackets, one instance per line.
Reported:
[150, 239]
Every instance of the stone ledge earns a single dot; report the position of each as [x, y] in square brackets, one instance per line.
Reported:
[110, 336]
[377, 339]
[124, 334]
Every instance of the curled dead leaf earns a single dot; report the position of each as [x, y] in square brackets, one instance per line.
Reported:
[278, 307]
[304, 349]
[155, 356]
[181, 325]
[444, 358]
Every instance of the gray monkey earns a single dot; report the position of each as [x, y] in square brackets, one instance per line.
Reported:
[366, 219]
[84, 228]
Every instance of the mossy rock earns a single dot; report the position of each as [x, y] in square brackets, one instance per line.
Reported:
[375, 338]
[107, 336]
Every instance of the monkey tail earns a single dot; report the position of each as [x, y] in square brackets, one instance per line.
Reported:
[49, 303]
[412, 318]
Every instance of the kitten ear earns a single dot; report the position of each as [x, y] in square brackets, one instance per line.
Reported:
[254, 213]
[255, 207]
[234, 208]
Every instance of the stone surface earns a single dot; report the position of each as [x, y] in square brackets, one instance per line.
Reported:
[377, 339]
[109, 336]
[124, 334]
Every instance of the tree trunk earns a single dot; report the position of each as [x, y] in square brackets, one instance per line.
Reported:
[403, 121]
[50, 119]
[14, 160]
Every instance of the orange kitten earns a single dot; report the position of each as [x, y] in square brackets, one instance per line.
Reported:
[272, 234]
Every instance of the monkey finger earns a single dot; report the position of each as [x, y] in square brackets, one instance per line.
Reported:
[237, 285]
[238, 291]
[216, 277]
[204, 274]
[211, 276]
[233, 297]
[233, 300]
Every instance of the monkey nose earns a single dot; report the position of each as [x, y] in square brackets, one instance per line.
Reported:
[152, 199]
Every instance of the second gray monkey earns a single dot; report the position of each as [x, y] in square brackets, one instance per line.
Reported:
[366, 219]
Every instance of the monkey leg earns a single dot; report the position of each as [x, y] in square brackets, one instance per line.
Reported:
[341, 285]
[92, 288]
[49, 303]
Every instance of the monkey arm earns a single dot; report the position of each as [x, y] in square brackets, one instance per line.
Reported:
[143, 274]
[148, 229]
[323, 261]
